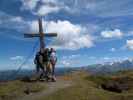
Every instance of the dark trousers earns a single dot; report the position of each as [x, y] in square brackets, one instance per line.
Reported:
[38, 68]
[53, 69]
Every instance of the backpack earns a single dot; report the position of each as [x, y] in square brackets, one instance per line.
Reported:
[46, 56]
[38, 58]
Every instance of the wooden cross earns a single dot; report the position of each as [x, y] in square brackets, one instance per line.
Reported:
[41, 34]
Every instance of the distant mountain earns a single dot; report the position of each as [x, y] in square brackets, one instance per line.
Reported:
[110, 67]
[106, 68]
[14, 74]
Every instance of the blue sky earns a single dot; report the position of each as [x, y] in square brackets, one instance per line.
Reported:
[89, 31]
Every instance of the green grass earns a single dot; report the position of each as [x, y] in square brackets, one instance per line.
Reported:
[127, 73]
[13, 89]
[85, 89]
[98, 79]
[81, 91]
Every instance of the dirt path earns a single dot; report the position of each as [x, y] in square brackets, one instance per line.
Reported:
[52, 87]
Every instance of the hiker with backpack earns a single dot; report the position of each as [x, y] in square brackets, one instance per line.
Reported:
[38, 61]
[46, 60]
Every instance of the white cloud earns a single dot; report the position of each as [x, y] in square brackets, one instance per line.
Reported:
[5, 17]
[95, 7]
[106, 58]
[41, 7]
[70, 36]
[65, 63]
[12, 22]
[29, 4]
[33, 26]
[53, 1]
[74, 56]
[17, 58]
[111, 34]
[114, 8]
[16, 19]
[44, 10]
[130, 33]
[68, 62]
[102, 8]
[112, 49]
[129, 44]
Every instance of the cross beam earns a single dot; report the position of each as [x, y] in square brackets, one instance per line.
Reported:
[41, 34]
[38, 35]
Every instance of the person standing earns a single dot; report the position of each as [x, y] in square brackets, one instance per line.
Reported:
[53, 60]
[46, 61]
[38, 61]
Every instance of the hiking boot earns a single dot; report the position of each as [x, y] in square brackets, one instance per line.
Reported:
[53, 79]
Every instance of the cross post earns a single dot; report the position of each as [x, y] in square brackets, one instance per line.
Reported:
[41, 35]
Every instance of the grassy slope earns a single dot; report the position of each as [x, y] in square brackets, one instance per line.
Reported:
[86, 88]
[11, 90]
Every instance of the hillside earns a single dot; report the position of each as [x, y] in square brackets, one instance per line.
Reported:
[13, 89]
[88, 87]
[78, 85]
[110, 67]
